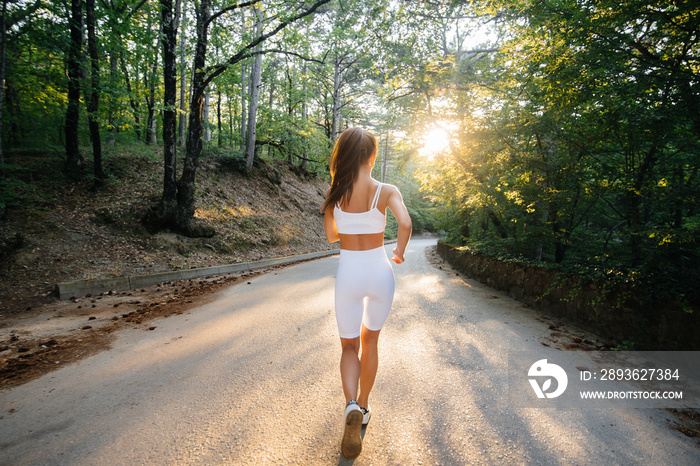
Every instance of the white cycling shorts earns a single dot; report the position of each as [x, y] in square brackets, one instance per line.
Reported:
[364, 290]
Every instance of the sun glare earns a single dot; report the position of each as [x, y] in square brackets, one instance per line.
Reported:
[434, 141]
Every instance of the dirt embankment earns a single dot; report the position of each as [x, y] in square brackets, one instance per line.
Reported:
[65, 231]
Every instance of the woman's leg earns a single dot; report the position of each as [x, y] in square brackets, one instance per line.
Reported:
[368, 363]
[350, 367]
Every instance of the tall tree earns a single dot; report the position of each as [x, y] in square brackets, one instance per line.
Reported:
[169, 20]
[304, 115]
[244, 92]
[94, 105]
[255, 76]
[151, 77]
[183, 79]
[3, 58]
[74, 158]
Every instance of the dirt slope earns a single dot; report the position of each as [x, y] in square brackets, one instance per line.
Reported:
[74, 233]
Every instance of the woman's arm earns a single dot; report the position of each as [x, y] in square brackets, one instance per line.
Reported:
[398, 208]
[330, 226]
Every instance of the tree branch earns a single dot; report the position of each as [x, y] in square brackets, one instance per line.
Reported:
[246, 52]
[286, 52]
[478, 51]
[411, 92]
[424, 15]
[230, 8]
[134, 10]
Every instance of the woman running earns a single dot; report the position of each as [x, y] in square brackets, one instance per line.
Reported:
[355, 215]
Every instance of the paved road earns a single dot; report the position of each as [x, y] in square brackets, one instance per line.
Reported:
[252, 378]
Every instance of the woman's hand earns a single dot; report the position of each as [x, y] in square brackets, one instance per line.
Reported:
[398, 258]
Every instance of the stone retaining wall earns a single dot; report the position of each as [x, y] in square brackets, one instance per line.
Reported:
[82, 287]
[601, 311]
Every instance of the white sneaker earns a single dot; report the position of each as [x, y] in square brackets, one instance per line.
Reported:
[366, 414]
[352, 439]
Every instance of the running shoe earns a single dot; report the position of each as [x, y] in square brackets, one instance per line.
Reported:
[366, 414]
[352, 438]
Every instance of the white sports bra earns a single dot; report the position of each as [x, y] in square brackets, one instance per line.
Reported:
[361, 223]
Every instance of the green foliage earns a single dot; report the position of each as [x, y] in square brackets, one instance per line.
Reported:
[579, 146]
[12, 192]
[626, 345]
[293, 139]
[234, 161]
[15, 191]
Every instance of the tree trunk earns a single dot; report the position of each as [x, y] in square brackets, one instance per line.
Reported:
[335, 122]
[3, 54]
[254, 95]
[183, 81]
[186, 185]
[231, 117]
[14, 111]
[151, 137]
[163, 214]
[385, 165]
[539, 248]
[220, 138]
[205, 117]
[500, 228]
[135, 105]
[244, 105]
[169, 21]
[244, 87]
[94, 93]
[634, 201]
[116, 62]
[270, 101]
[304, 117]
[112, 119]
[152, 126]
[74, 160]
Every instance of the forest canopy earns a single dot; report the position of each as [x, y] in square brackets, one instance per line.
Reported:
[559, 132]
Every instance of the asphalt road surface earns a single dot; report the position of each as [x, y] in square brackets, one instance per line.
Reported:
[252, 378]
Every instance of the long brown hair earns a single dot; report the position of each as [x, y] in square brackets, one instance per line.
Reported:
[352, 149]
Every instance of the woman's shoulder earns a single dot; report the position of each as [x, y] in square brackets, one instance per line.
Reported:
[389, 189]
[388, 192]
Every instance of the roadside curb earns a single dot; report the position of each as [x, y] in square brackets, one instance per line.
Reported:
[83, 287]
